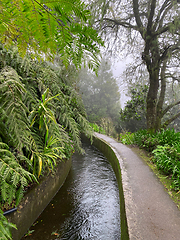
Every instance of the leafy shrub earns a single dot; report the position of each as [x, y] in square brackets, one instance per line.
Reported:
[145, 140]
[97, 128]
[165, 146]
[168, 136]
[127, 138]
[150, 141]
[167, 159]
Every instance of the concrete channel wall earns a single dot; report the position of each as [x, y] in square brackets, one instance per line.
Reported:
[37, 199]
[110, 154]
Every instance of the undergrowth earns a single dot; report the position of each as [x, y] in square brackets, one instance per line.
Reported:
[97, 128]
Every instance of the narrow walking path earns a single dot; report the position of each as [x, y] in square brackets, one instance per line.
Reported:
[151, 214]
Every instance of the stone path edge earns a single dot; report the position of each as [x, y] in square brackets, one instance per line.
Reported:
[115, 161]
[150, 212]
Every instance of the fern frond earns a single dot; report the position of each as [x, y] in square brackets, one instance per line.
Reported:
[86, 128]
[12, 175]
[19, 194]
[12, 90]
[5, 227]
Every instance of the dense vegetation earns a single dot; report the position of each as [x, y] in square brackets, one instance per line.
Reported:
[164, 147]
[41, 113]
[41, 120]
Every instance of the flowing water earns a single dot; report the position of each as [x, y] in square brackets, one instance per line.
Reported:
[86, 207]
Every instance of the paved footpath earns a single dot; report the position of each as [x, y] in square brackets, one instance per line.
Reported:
[151, 214]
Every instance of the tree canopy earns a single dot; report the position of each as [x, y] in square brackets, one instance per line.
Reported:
[46, 27]
[150, 29]
[133, 116]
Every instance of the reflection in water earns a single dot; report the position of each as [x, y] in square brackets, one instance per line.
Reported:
[86, 207]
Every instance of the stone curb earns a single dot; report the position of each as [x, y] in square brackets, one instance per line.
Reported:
[150, 212]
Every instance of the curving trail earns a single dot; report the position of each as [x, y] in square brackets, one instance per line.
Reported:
[151, 214]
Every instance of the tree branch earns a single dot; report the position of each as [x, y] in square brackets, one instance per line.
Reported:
[137, 16]
[121, 23]
[168, 50]
[151, 15]
[169, 107]
[167, 27]
[165, 9]
[170, 120]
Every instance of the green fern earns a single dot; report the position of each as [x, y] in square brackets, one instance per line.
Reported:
[44, 28]
[12, 175]
[12, 106]
[61, 117]
[5, 227]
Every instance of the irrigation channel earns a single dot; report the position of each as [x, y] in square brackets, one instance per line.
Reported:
[87, 205]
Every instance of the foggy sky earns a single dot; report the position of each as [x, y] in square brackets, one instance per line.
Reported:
[117, 68]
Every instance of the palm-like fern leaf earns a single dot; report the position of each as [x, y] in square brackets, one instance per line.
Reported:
[62, 115]
[12, 175]
[5, 227]
[42, 27]
[11, 104]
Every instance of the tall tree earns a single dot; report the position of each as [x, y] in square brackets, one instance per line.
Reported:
[133, 116]
[100, 93]
[152, 29]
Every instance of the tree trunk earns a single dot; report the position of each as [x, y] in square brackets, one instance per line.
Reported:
[151, 115]
[161, 96]
[151, 58]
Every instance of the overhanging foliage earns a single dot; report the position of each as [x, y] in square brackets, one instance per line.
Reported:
[46, 28]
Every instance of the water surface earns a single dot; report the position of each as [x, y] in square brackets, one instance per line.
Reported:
[86, 207]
